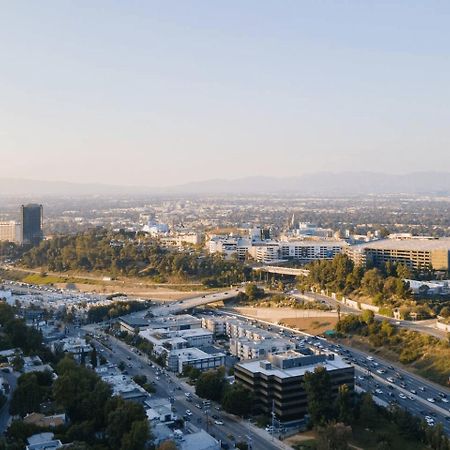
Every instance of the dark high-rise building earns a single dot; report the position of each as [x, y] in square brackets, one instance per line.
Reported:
[31, 218]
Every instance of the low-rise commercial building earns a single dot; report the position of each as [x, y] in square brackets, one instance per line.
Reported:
[169, 322]
[278, 380]
[172, 340]
[177, 360]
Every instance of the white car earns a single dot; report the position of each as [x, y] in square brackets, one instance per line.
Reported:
[443, 399]
[188, 412]
[402, 396]
[218, 422]
[378, 391]
[369, 358]
[431, 400]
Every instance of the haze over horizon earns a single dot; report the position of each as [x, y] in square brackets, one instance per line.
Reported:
[161, 94]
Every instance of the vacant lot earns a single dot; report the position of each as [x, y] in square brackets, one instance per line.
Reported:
[311, 325]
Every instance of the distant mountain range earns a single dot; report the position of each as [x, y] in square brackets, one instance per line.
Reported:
[320, 183]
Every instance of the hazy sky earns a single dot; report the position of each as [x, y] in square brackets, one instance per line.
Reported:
[160, 93]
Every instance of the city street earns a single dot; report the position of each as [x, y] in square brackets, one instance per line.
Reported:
[168, 385]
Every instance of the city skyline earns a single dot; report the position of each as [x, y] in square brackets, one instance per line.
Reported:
[161, 95]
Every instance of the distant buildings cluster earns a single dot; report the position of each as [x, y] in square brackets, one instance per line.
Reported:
[261, 248]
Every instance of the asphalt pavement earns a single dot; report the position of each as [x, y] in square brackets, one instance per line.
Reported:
[168, 385]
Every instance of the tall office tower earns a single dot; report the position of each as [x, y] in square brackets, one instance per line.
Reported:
[31, 216]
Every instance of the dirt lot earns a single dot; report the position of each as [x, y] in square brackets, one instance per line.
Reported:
[311, 325]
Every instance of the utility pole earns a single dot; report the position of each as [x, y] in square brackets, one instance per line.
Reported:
[249, 442]
[207, 419]
[273, 418]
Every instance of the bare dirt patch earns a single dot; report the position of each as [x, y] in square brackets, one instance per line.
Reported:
[311, 325]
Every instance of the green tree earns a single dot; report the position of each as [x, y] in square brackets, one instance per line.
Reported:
[403, 272]
[237, 400]
[344, 405]
[81, 392]
[17, 363]
[120, 418]
[372, 282]
[318, 389]
[210, 384]
[367, 411]
[28, 395]
[368, 316]
[137, 437]
[253, 292]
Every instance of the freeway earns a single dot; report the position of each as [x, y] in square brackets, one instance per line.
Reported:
[395, 385]
[168, 385]
[182, 305]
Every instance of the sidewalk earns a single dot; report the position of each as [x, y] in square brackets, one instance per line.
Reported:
[252, 428]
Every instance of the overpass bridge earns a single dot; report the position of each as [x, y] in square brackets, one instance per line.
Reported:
[283, 270]
[183, 305]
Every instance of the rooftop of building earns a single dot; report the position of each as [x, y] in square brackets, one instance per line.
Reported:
[193, 353]
[292, 364]
[200, 440]
[424, 244]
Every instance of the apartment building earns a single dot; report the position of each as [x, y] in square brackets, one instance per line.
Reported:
[245, 348]
[310, 250]
[216, 326]
[278, 380]
[270, 251]
[415, 253]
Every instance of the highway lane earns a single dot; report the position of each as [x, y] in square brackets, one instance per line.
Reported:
[185, 304]
[416, 402]
[168, 385]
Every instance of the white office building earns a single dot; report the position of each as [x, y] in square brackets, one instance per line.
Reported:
[177, 360]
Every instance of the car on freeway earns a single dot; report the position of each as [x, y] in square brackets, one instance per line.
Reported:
[402, 396]
[431, 400]
[218, 422]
